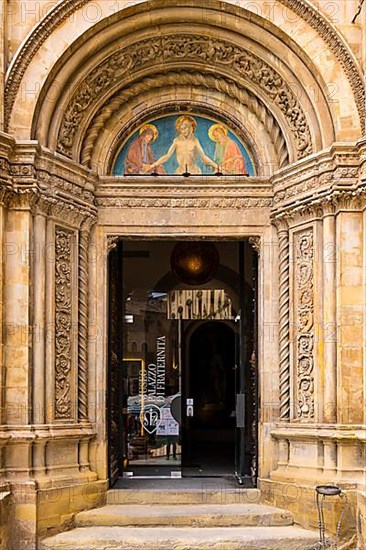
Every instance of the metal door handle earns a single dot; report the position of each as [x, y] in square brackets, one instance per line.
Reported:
[189, 403]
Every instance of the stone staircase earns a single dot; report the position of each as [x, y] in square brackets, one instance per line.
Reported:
[228, 519]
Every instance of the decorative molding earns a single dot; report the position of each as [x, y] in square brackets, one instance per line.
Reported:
[324, 202]
[330, 36]
[54, 184]
[223, 85]
[202, 49]
[148, 186]
[321, 175]
[304, 321]
[63, 323]
[284, 321]
[39, 35]
[65, 9]
[23, 171]
[194, 202]
[70, 213]
[83, 325]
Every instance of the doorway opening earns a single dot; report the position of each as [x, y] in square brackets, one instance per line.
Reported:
[182, 399]
[210, 369]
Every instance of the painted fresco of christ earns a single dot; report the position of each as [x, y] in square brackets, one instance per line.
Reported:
[187, 148]
[139, 155]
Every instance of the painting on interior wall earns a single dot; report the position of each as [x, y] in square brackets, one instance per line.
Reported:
[183, 144]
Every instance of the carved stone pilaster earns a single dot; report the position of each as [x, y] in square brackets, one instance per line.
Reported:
[284, 327]
[63, 323]
[304, 318]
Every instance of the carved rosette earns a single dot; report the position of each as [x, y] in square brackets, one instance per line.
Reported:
[63, 323]
[304, 304]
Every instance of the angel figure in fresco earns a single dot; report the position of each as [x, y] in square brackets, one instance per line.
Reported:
[227, 153]
[187, 148]
[139, 155]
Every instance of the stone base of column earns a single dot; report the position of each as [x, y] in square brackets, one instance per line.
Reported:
[39, 512]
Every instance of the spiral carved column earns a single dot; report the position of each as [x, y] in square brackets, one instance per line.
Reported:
[284, 326]
[83, 326]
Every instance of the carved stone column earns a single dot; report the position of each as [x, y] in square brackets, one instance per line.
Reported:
[83, 323]
[330, 313]
[284, 328]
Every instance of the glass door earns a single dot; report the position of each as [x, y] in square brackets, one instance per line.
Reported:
[151, 371]
[169, 340]
[151, 376]
[246, 372]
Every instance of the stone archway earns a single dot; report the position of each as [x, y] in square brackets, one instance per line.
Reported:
[70, 105]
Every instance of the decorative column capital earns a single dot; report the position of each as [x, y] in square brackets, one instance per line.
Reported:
[329, 206]
[88, 222]
[281, 222]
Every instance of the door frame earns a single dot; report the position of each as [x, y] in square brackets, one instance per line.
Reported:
[115, 346]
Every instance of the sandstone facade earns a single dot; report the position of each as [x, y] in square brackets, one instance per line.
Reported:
[76, 76]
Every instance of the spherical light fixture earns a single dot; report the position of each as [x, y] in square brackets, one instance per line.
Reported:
[195, 263]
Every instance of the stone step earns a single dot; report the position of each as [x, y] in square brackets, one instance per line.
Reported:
[207, 494]
[197, 515]
[180, 538]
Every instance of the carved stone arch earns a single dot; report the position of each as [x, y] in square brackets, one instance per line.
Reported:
[224, 56]
[291, 107]
[279, 117]
[112, 128]
[262, 80]
[56, 25]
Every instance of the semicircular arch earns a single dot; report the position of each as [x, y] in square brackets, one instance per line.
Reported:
[219, 55]
[67, 20]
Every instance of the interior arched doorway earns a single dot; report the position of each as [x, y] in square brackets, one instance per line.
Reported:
[210, 380]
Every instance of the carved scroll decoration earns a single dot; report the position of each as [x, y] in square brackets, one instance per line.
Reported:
[187, 48]
[304, 300]
[63, 324]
